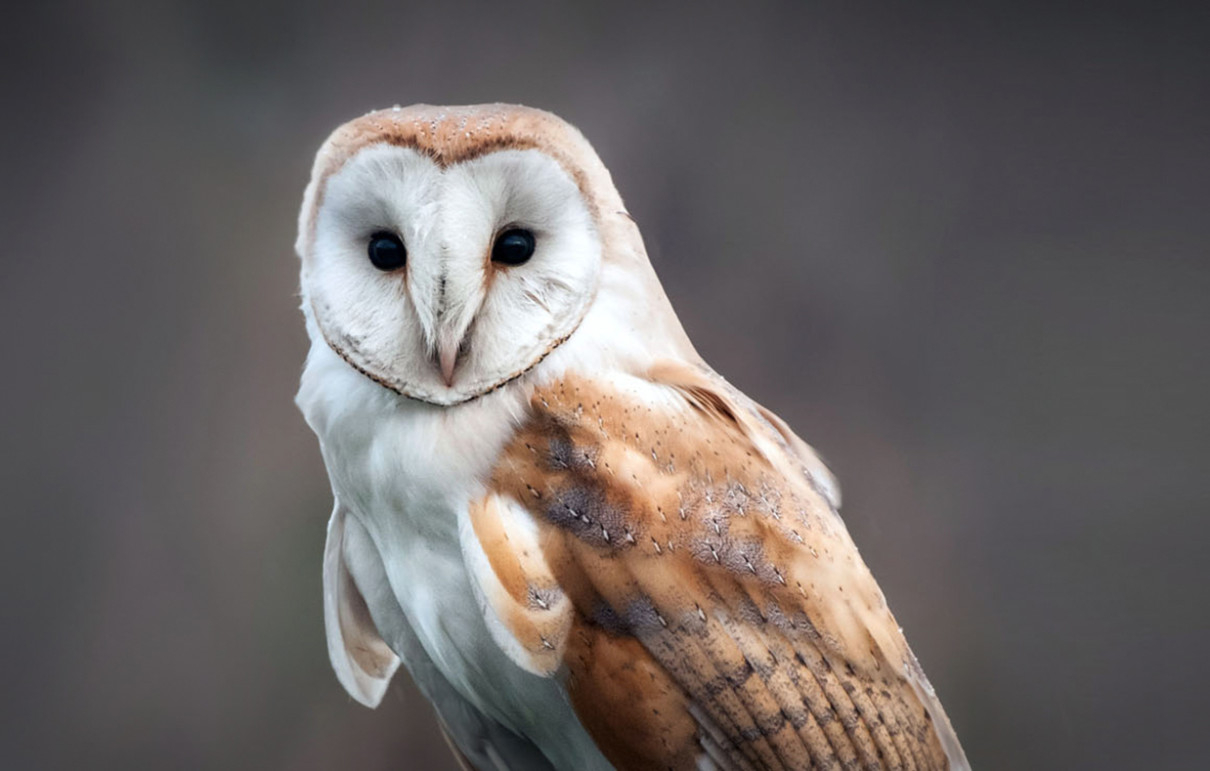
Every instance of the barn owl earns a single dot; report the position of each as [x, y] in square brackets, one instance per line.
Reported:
[588, 548]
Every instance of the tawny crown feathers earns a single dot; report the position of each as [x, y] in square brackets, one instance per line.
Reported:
[450, 135]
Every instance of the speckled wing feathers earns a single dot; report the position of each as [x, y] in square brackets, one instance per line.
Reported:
[690, 572]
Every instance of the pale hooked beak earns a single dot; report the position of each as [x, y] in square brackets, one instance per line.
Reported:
[447, 356]
[451, 323]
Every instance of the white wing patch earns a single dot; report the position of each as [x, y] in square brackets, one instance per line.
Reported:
[364, 663]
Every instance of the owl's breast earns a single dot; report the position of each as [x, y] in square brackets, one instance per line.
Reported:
[407, 471]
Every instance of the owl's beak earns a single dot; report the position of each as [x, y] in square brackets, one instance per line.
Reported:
[455, 304]
[447, 356]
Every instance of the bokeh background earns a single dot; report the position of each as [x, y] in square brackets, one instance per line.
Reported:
[963, 249]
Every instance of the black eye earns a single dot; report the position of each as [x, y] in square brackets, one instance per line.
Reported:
[513, 247]
[386, 251]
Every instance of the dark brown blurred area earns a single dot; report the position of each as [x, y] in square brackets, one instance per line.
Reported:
[963, 251]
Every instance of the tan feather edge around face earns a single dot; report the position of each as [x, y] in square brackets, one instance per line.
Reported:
[450, 135]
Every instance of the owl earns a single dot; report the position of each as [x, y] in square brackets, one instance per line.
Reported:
[589, 550]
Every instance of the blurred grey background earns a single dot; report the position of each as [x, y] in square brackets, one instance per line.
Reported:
[964, 251]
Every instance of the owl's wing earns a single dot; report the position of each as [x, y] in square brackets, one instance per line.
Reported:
[363, 661]
[676, 553]
[362, 614]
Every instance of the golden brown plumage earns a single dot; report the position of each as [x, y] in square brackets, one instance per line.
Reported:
[700, 587]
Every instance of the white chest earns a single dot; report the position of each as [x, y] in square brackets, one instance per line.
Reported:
[407, 471]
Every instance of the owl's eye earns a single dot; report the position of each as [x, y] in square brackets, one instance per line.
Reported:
[513, 247]
[386, 251]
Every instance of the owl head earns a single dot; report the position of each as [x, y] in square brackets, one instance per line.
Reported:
[447, 251]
